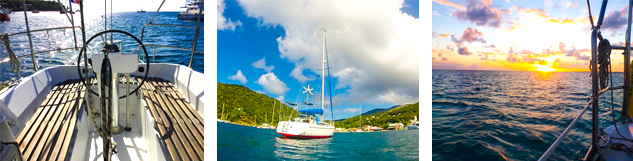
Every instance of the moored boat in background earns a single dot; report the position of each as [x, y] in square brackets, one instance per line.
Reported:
[194, 8]
[4, 13]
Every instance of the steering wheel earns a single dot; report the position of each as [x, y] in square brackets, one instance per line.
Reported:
[86, 65]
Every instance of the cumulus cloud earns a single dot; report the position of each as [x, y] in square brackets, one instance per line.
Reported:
[374, 42]
[463, 51]
[470, 35]
[576, 53]
[238, 77]
[223, 22]
[272, 84]
[482, 14]
[615, 20]
[297, 73]
[261, 64]
[280, 98]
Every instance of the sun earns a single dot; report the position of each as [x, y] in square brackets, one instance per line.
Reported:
[543, 68]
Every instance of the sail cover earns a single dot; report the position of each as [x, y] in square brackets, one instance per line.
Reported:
[312, 111]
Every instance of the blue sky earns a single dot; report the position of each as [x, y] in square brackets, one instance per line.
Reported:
[544, 35]
[278, 49]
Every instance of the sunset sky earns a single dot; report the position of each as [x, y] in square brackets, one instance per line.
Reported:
[522, 35]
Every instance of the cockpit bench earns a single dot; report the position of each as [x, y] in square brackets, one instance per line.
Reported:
[48, 133]
[179, 124]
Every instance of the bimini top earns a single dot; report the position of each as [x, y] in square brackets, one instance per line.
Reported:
[312, 111]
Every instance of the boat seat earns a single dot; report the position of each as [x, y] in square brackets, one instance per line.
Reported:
[180, 126]
[48, 134]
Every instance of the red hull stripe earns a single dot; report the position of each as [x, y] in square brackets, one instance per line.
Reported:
[301, 136]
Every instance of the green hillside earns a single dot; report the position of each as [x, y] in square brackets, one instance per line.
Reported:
[17, 5]
[244, 106]
[402, 114]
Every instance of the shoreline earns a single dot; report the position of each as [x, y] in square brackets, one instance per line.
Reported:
[228, 122]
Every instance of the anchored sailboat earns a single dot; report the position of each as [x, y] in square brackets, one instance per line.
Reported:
[310, 123]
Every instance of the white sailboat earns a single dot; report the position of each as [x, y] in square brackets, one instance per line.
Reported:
[310, 123]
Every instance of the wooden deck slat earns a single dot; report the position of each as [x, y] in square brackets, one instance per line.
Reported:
[71, 125]
[179, 138]
[182, 126]
[61, 126]
[52, 125]
[37, 136]
[191, 111]
[37, 113]
[168, 107]
[54, 122]
[193, 125]
[163, 125]
[186, 107]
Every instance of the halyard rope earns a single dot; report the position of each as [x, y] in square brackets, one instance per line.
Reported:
[15, 63]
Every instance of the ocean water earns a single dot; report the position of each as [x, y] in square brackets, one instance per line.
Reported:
[514, 115]
[131, 22]
[236, 142]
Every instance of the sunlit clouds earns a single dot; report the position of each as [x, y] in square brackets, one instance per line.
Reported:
[524, 36]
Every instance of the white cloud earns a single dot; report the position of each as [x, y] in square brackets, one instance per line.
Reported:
[272, 84]
[238, 77]
[223, 22]
[297, 73]
[280, 98]
[261, 64]
[351, 110]
[260, 92]
[373, 48]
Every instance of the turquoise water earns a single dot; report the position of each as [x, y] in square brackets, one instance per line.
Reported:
[236, 142]
[131, 22]
[513, 115]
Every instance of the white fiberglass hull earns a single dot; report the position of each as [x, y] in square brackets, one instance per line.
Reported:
[304, 130]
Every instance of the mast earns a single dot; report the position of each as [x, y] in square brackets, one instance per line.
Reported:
[361, 117]
[323, 75]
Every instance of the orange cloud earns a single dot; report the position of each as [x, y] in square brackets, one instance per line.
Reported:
[441, 35]
[549, 18]
[448, 3]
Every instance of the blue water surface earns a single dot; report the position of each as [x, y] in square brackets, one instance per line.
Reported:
[514, 115]
[131, 22]
[236, 142]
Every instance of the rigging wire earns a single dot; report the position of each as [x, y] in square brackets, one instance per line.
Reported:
[604, 60]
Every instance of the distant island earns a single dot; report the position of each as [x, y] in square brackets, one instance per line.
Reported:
[401, 114]
[240, 105]
[17, 5]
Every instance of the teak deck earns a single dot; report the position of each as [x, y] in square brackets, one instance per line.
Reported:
[48, 133]
[180, 126]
